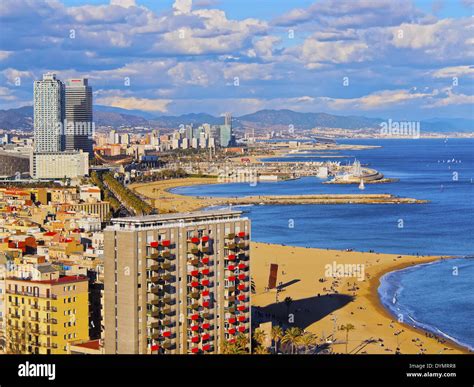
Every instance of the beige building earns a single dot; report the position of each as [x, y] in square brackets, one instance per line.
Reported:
[176, 283]
[59, 165]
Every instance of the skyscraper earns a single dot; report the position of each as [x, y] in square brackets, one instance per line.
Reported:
[79, 116]
[228, 119]
[225, 139]
[176, 283]
[49, 114]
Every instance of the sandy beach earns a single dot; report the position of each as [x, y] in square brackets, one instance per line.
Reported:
[301, 268]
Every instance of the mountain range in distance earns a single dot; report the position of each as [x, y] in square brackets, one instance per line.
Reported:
[22, 118]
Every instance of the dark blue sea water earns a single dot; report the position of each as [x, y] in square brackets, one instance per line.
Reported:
[437, 297]
[443, 226]
[440, 171]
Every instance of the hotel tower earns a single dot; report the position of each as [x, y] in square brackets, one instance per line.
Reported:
[176, 283]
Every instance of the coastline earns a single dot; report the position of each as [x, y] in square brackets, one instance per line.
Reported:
[366, 298]
[301, 268]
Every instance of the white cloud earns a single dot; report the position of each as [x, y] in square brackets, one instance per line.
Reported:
[183, 6]
[123, 3]
[132, 103]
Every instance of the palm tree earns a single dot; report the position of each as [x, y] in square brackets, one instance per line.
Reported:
[347, 328]
[242, 341]
[306, 340]
[261, 351]
[233, 349]
[291, 337]
[277, 334]
[259, 337]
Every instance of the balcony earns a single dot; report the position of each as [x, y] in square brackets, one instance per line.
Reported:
[155, 267]
[35, 307]
[195, 350]
[230, 289]
[231, 257]
[168, 277]
[194, 240]
[35, 319]
[232, 246]
[195, 339]
[205, 282]
[205, 249]
[207, 347]
[230, 236]
[193, 261]
[243, 246]
[155, 336]
[154, 256]
[168, 311]
[166, 243]
[168, 300]
[194, 328]
[230, 298]
[206, 326]
[206, 260]
[194, 251]
[50, 321]
[194, 294]
[208, 315]
[194, 273]
[50, 309]
[205, 293]
[167, 255]
[193, 306]
[167, 322]
[206, 271]
[154, 244]
[242, 277]
[167, 266]
[242, 234]
[167, 344]
[155, 325]
[243, 266]
[205, 239]
[158, 291]
[153, 313]
[154, 301]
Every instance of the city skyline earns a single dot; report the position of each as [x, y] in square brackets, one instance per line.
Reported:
[207, 56]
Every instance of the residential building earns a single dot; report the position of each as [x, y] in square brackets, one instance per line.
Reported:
[176, 283]
[59, 165]
[44, 316]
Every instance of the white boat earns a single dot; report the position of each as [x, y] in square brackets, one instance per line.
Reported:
[361, 185]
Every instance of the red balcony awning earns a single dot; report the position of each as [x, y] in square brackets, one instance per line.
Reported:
[195, 273]
[195, 240]
[242, 329]
[231, 278]
[232, 331]
[195, 339]
[195, 328]
[167, 334]
[206, 304]
[205, 260]
[205, 271]
[194, 284]
[154, 244]
[241, 234]
[205, 282]
[231, 267]
[231, 257]
[241, 287]
[206, 347]
[232, 320]
[205, 293]
[242, 277]
[241, 308]
[166, 243]
[241, 297]
[206, 326]
[205, 238]
[232, 341]
[205, 336]
[155, 347]
[241, 318]
[242, 266]
[194, 317]
[195, 350]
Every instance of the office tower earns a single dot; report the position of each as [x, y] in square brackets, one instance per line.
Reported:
[225, 139]
[176, 283]
[79, 129]
[44, 316]
[228, 119]
[216, 134]
[49, 114]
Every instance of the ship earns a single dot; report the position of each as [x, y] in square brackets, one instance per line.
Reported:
[361, 185]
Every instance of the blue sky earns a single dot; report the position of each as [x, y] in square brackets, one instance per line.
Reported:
[401, 59]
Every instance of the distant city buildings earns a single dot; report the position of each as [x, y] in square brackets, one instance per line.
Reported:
[177, 283]
[62, 128]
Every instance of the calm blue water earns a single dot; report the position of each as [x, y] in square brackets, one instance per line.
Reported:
[442, 306]
[443, 226]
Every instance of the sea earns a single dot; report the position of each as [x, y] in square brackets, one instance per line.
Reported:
[438, 170]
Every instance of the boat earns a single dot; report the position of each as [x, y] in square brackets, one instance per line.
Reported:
[361, 185]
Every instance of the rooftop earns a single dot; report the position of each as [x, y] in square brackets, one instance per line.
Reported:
[182, 217]
[60, 280]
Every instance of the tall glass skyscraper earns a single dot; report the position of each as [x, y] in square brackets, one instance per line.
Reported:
[79, 128]
[49, 114]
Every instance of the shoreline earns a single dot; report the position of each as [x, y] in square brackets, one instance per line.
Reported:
[304, 266]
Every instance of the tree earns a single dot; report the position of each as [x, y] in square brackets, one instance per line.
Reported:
[306, 340]
[347, 328]
[259, 337]
[277, 334]
[261, 351]
[291, 337]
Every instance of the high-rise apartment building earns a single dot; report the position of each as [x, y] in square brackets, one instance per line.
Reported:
[225, 134]
[228, 119]
[44, 316]
[176, 283]
[49, 114]
[79, 128]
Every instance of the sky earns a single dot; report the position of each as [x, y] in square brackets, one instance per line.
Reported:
[399, 59]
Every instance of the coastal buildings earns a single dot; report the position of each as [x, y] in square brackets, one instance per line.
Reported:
[176, 283]
[79, 128]
[49, 113]
[45, 315]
